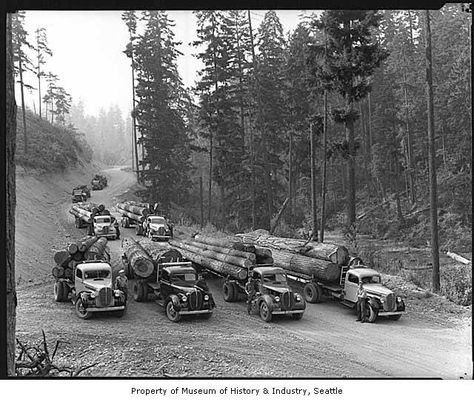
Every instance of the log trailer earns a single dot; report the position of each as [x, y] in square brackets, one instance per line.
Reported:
[145, 222]
[174, 284]
[381, 300]
[90, 289]
[96, 218]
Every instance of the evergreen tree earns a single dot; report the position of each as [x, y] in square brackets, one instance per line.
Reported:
[42, 50]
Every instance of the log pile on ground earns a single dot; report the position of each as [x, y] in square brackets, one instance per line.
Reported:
[312, 259]
[86, 249]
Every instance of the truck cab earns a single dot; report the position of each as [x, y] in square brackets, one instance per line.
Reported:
[179, 290]
[275, 297]
[78, 195]
[93, 290]
[157, 228]
[381, 300]
[104, 227]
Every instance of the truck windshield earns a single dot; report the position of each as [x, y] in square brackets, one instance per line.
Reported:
[185, 277]
[275, 278]
[97, 274]
[157, 220]
[102, 219]
[371, 279]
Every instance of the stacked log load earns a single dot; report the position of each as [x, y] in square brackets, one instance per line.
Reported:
[319, 260]
[132, 210]
[85, 211]
[86, 249]
[227, 257]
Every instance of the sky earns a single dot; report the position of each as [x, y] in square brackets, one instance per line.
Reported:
[88, 53]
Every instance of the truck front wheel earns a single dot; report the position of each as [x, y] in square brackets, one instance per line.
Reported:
[265, 312]
[138, 291]
[171, 313]
[312, 293]
[81, 310]
[229, 292]
[371, 313]
[59, 291]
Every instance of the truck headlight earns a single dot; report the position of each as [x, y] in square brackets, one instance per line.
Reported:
[277, 299]
[117, 293]
[206, 297]
[92, 295]
[297, 298]
[184, 298]
[399, 299]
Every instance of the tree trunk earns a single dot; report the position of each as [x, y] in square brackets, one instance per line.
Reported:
[138, 259]
[351, 191]
[432, 158]
[279, 215]
[314, 210]
[290, 175]
[201, 201]
[221, 250]
[11, 300]
[324, 184]
[23, 110]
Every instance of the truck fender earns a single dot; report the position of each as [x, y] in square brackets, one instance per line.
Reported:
[175, 300]
[268, 299]
[374, 303]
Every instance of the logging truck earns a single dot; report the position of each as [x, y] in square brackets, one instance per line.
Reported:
[381, 300]
[78, 195]
[91, 290]
[178, 289]
[273, 297]
[96, 218]
[98, 182]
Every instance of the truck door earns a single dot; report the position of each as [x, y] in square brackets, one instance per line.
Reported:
[351, 286]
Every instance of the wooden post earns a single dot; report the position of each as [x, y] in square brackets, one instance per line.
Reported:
[201, 199]
[431, 157]
[313, 184]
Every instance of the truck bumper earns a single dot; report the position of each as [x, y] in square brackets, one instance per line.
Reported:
[191, 312]
[287, 312]
[387, 313]
[112, 308]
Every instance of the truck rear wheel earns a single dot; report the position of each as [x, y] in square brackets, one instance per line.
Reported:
[265, 312]
[312, 293]
[297, 316]
[58, 292]
[229, 291]
[139, 289]
[81, 310]
[171, 313]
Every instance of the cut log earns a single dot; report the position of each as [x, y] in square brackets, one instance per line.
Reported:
[218, 267]
[323, 251]
[161, 252]
[229, 259]
[458, 258]
[72, 248]
[62, 257]
[227, 242]
[323, 270]
[138, 218]
[133, 209]
[97, 251]
[138, 259]
[263, 255]
[86, 242]
[223, 250]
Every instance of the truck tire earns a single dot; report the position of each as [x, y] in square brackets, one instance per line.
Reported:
[228, 290]
[312, 293]
[81, 311]
[171, 313]
[119, 313]
[265, 312]
[206, 316]
[297, 316]
[372, 313]
[58, 291]
[138, 288]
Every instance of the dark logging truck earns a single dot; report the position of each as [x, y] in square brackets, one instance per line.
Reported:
[174, 284]
[83, 275]
[146, 223]
[98, 182]
[96, 218]
[236, 263]
[77, 195]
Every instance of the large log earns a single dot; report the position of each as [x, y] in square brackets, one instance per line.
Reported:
[215, 266]
[263, 255]
[62, 257]
[134, 209]
[98, 250]
[323, 251]
[458, 258]
[229, 259]
[138, 218]
[81, 214]
[161, 252]
[222, 250]
[227, 241]
[84, 243]
[72, 248]
[138, 259]
[322, 270]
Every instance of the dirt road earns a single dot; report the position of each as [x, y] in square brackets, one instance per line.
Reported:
[327, 342]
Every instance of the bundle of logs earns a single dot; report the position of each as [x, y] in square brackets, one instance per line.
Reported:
[227, 257]
[142, 258]
[85, 211]
[319, 260]
[86, 249]
[137, 212]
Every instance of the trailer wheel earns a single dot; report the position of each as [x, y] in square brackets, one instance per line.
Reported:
[138, 291]
[312, 293]
[228, 289]
[265, 312]
[171, 313]
[81, 311]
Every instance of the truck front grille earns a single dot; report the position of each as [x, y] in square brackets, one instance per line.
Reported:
[105, 297]
[195, 300]
[287, 300]
[390, 304]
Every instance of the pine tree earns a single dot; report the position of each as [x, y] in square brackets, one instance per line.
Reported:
[42, 50]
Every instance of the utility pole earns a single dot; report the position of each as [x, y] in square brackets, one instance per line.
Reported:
[431, 156]
[313, 184]
[325, 137]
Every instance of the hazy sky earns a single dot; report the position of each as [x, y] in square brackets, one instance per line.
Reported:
[88, 53]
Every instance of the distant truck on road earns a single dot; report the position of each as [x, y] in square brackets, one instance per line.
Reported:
[99, 182]
[381, 300]
[96, 218]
